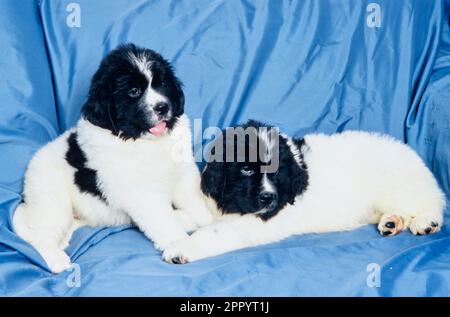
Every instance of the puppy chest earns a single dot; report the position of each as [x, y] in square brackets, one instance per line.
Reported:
[146, 168]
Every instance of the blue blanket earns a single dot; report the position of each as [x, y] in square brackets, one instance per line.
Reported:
[317, 65]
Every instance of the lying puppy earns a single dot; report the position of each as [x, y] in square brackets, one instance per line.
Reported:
[323, 183]
[118, 165]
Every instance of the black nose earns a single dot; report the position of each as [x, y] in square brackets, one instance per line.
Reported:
[161, 108]
[266, 198]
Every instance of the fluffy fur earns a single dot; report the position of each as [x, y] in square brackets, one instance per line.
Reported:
[111, 169]
[324, 183]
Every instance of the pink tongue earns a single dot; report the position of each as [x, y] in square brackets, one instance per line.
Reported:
[158, 129]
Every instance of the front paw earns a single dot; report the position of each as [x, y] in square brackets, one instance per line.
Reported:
[180, 252]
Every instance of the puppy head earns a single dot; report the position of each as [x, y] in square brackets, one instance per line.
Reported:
[134, 94]
[244, 184]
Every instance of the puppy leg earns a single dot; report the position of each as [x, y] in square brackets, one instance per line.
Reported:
[423, 224]
[188, 196]
[45, 218]
[56, 259]
[76, 223]
[228, 234]
[413, 195]
[156, 218]
[430, 217]
[426, 224]
[410, 216]
[186, 220]
[45, 238]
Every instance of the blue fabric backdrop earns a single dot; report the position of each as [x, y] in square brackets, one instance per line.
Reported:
[317, 65]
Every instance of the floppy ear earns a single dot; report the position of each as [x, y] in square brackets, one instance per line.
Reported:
[99, 108]
[298, 181]
[213, 180]
[178, 98]
[298, 174]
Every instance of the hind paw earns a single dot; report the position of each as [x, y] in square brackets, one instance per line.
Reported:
[423, 226]
[390, 225]
[58, 262]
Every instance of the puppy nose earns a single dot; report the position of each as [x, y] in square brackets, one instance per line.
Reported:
[161, 108]
[266, 198]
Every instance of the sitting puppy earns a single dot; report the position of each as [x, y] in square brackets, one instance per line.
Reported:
[118, 165]
[323, 183]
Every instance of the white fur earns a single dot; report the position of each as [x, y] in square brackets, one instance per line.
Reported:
[267, 184]
[140, 179]
[354, 179]
[294, 149]
[143, 64]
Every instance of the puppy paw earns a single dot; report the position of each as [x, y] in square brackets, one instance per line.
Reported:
[179, 252]
[179, 260]
[425, 225]
[390, 225]
[57, 262]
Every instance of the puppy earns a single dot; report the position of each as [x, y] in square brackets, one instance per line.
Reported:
[118, 165]
[323, 183]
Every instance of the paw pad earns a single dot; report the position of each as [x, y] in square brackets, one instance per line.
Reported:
[390, 225]
[420, 227]
[179, 260]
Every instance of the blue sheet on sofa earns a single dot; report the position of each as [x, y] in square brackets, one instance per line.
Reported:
[306, 66]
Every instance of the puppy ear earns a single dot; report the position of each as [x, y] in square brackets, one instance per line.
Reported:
[298, 181]
[298, 173]
[99, 108]
[178, 98]
[213, 180]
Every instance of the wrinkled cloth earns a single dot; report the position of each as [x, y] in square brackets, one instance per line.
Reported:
[305, 66]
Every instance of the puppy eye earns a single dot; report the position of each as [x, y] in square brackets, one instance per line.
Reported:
[134, 92]
[247, 171]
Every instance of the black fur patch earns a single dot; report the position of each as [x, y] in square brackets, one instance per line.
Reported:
[85, 177]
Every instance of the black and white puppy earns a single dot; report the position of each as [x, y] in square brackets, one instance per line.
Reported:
[323, 183]
[120, 164]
